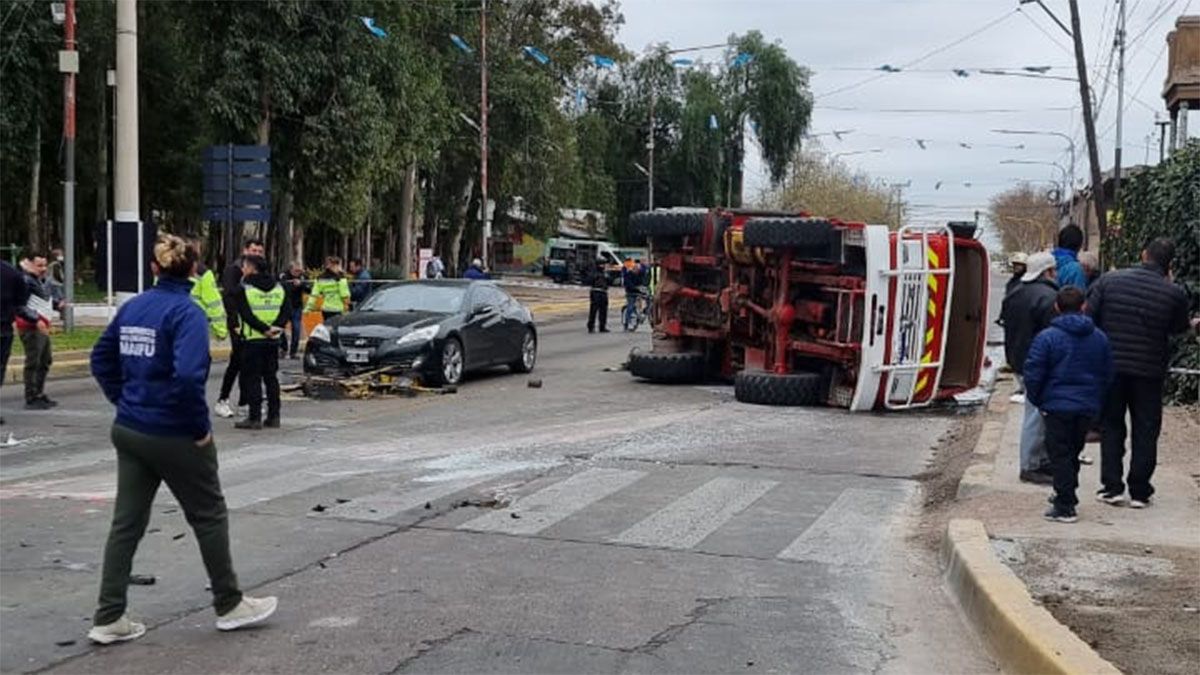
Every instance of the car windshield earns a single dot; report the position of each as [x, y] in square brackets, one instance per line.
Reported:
[416, 298]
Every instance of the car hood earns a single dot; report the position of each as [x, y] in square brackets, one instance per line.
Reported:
[386, 324]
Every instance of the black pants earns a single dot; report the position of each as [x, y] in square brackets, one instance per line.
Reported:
[190, 472]
[1142, 398]
[598, 310]
[233, 369]
[260, 369]
[1065, 436]
[6, 343]
[38, 357]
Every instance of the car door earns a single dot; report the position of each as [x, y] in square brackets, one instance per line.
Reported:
[482, 328]
[514, 326]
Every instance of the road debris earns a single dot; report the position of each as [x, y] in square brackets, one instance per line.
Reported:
[534, 384]
[179, 536]
[142, 579]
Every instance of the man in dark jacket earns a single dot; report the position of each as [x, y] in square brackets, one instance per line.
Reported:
[1139, 308]
[360, 287]
[231, 287]
[1026, 312]
[1067, 372]
[13, 296]
[598, 305]
[295, 284]
[1017, 262]
[33, 325]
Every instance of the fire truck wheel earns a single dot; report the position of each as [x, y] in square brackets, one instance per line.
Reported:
[666, 224]
[678, 368]
[814, 237]
[792, 389]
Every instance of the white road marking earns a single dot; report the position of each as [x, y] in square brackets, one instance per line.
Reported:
[689, 519]
[850, 532]
[385, 505]
[554, 503]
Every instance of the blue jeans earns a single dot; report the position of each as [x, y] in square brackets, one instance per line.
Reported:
[1033, 440]
[630, 310]
[297, 324]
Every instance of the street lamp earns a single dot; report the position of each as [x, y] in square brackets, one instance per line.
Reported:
[1070, 143]
[835, 155]
[1056, 165]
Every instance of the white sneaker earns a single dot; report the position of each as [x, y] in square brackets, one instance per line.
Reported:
[248, 612]
[121, 630]
[222, 409]
[1016, 398]
[1139, 503]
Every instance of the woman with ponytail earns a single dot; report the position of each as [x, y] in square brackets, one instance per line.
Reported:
[152, 363]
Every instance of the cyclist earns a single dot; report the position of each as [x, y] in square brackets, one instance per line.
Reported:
[633, 278]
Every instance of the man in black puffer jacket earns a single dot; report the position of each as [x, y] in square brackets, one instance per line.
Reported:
[1138, 308]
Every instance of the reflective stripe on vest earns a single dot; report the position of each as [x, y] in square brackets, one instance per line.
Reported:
[265, 306]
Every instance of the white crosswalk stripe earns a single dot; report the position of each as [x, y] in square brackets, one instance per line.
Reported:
[849, 532]
[689, 519]
[552, 504]
[384, 505]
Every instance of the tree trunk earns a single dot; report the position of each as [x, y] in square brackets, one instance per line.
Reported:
[459, 225]
[102, 150]
[35, 233]
[430, 216]
[286, 242]
[407, 216]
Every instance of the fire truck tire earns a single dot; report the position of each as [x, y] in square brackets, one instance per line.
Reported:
[792, 389]
[810, 235]
[678, 368]
[666, 224]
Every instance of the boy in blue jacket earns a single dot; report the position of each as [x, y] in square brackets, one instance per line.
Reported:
[1068, 369]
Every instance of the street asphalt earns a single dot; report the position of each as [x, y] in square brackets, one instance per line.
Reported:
[594, 524]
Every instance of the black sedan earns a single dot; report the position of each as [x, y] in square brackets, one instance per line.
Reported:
[433, 331]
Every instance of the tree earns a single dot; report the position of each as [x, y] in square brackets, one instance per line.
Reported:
[1026, 219]
[826, 187]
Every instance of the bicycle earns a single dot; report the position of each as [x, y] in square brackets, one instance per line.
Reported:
[640, 311]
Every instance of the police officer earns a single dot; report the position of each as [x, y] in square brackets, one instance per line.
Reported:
[598, 309]
[264, 310]
[231, 284]
[205, 293]
[332, 289]
[152, 363]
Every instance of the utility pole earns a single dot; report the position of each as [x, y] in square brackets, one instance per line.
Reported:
[650, 147]
[486, 233]
[68, 62]
[1162, 137]
[1089, 122]
[1120, 104]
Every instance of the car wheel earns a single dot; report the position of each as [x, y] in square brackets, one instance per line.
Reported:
[453, 363]
[791, 389]
[528, 357]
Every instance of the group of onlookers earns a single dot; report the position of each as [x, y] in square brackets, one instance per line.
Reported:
[1088, 349]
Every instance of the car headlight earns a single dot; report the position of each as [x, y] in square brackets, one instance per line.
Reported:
[321, 333]
[419, 335]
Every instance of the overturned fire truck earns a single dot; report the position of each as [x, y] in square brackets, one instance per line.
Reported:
[798, 310]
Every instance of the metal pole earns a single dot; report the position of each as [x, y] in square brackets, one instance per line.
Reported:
[1120, 106]
[650, 147]
[1162, 139]
[69, 179]
[486, 235]
[125, 191]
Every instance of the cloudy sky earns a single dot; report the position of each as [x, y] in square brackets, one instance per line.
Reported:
[844, 41]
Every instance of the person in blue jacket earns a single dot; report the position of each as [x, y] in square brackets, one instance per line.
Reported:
[152, 363]
[1067, 371]
[1066, 258]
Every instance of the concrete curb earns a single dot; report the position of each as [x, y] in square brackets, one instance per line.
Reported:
[77, 364]
[1022, 636]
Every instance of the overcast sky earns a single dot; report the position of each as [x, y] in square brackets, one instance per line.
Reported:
[835, 37]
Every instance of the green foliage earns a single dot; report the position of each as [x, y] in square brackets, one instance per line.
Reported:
[1164, 201]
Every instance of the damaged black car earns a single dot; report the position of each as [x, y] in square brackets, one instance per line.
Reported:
[433, 331]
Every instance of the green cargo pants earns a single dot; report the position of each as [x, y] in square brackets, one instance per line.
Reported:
[190, 472]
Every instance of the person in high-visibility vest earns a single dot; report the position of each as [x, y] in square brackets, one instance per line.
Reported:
[206, 294]
[332, 289]
[263, 308]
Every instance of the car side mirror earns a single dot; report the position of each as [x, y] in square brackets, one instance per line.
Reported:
[482, 309]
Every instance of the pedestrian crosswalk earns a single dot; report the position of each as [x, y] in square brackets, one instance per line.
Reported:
[554, 503]
[691, 518]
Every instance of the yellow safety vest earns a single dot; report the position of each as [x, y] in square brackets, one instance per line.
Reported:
[333, 293]
[208, 298]
[265, 306]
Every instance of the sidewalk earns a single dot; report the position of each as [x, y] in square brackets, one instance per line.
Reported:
[1125, 581]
